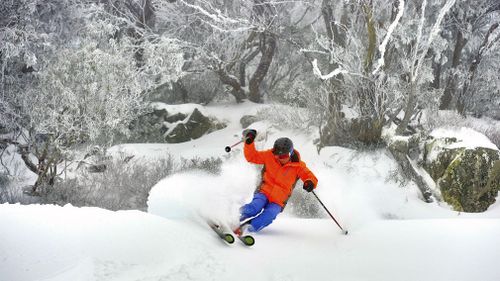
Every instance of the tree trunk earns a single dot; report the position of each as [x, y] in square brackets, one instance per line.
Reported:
[372, 37]
[465, 96]
[333, 130]
[144, 18]
[451, 83]
[408, 169]
[268, 47]
[436, 66]
[46, 169]
[243, 65]
[409, 110]
[237, 91]
[332, 30]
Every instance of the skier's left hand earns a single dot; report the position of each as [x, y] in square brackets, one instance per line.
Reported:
[308, 186]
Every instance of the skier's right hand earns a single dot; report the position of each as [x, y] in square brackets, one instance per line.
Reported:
[249, 135]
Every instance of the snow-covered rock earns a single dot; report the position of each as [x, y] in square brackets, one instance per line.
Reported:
[173, 124]
[466, 167]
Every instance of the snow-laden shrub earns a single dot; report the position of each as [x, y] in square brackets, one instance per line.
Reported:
[122, 185]
[211, 165]
[289, 117]
[90, 85]
[4, 187]
[10, 191]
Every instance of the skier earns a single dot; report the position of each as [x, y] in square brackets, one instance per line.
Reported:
[282, 168]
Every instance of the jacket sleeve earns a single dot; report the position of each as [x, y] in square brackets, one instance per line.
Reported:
[305, 174]
[252, 155]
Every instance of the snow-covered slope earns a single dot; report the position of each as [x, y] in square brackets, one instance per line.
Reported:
[67, 243]
[393, 235]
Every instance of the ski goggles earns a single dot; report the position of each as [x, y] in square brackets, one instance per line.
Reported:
[283, 156]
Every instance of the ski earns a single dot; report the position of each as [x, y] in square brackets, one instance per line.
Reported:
[224, 235]
[227, 235]
[247, 239]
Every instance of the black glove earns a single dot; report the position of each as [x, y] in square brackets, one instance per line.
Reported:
[308, 186]
[249, 135]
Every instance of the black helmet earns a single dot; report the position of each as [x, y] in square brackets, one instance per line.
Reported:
[283, 146]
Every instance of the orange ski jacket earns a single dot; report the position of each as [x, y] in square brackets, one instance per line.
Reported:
[278, 180]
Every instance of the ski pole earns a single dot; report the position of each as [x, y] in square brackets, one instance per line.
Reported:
[228, 148]
[343, 231]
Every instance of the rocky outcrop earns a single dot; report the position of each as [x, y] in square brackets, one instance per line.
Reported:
[148, 128]
[193, 127]
[468, 178]
[248, 120]
[163, 126]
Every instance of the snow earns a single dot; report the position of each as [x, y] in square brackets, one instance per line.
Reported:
[185, 108]
[393, 234]
[330, 75]
[466, 138]
[68, 243]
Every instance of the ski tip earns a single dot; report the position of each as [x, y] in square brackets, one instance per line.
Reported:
[229, 238]
[248, 240]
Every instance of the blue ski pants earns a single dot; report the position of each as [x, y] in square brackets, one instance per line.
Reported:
[262, 211]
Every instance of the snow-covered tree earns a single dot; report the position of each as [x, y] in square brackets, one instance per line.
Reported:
[378, 58]
[419, 78]
[471, 34]
[237, 40]
[348, 56]
[29, 30]
[89, 87]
